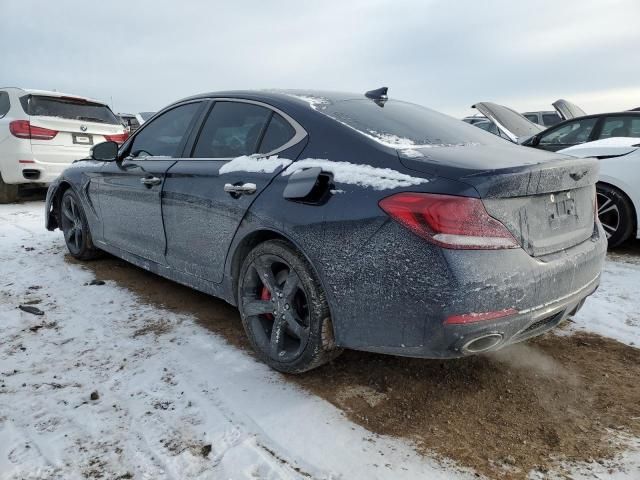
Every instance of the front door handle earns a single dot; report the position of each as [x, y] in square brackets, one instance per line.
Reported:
[244, 189]
[149, 181]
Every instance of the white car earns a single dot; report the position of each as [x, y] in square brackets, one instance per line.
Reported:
[42, 133]
[618, 185]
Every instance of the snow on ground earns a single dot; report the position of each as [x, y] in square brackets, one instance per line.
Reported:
[174, 400]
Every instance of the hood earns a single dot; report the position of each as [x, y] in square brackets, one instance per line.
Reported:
[516, 127]
[568, 110]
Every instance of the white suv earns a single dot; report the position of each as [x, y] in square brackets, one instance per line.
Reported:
[41, 133]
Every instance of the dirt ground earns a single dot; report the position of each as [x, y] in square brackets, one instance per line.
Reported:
[526, 407]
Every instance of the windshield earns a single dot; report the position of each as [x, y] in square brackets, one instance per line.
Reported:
[404, 125]
[71, 108]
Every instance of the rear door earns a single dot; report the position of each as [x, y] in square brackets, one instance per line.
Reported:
[516, 127]
[568, 110]
[619, 126]
[130, 189]
[72, 126]
[206, 197]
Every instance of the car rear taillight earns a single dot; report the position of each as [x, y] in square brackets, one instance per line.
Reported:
[449, 221]
[24, 129]
[479, 317]
[119, 138]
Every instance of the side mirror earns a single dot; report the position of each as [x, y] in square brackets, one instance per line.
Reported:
[105, 152]
[534, 140]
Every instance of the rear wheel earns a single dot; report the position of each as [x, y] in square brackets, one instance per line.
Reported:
[284, 310]
[616, 214]
[8, 193]
[73, 224]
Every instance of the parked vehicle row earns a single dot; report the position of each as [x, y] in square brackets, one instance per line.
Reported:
[337, 220]
[607, 136]
[133, 121]
[42, 132]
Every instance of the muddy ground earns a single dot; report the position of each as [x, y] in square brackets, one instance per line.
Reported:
[526, 407]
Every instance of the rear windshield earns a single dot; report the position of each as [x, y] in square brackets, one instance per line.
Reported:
[74, 109]
[402, 125]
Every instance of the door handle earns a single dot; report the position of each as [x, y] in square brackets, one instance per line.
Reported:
[149, 181]
[244, 189]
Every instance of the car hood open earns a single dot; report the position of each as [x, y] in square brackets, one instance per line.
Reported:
[516, 127]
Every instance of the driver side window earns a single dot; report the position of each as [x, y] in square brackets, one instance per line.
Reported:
[571, 133]
[164, 135]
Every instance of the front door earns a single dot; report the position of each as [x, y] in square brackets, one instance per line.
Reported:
[206, 196]
[130, 189]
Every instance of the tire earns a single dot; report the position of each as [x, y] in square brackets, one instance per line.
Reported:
[8, 193]
[277, 289]
[74, 226]
[616, 214]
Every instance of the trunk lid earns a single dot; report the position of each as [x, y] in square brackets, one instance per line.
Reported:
[568, 110]
[515, 126]
[546, 200]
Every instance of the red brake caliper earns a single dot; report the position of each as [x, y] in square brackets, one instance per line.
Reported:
[265, 294]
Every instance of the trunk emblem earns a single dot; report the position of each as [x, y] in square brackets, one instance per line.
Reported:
[83, 128]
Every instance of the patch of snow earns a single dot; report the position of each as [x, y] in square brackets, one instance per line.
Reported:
[357, 174]
[613, 310]
[411, 153]
[255, 164]
[314, 102]
[391, 140]
[174, 402]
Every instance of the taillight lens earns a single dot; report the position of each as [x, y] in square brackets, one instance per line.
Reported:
[449, 221]
[24, 129]
[119, 138]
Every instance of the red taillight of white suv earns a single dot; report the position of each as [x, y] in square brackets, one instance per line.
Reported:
[449, 221]
[120, 138]
[24, 129]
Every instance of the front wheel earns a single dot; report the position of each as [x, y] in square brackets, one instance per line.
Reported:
[284, 310]
[616, 215]
[74, 226]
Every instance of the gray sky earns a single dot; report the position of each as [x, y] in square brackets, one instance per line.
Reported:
[443, 54]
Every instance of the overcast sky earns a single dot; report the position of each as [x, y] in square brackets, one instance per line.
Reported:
[142, 55]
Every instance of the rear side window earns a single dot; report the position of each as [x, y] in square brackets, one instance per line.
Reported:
[531, 117]
[620, 127]
[400, 124]
[278, 133]
[232, 129]
[4, 103]
[571, 133]
[163, 136]
[67, 107]
[550, 119]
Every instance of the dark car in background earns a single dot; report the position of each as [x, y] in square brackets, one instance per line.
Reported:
[335, 220]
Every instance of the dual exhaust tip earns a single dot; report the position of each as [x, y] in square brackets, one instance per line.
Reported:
[482, 343]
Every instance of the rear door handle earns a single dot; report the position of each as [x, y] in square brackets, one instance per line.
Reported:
[244, 189]
[150, 181]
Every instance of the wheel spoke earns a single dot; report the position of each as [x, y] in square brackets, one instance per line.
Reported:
[266, 275]
[295, 326]
[72, 205]
[604, 204]
[252, 307]
[68, 234]
[78, 237]
[276, 343]
[67, 213]
[611, 208]
[291, 285]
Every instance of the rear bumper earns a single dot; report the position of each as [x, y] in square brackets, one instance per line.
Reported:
[20, 164]
[543, 291]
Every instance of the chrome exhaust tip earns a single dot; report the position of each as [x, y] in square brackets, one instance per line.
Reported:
[482, 343]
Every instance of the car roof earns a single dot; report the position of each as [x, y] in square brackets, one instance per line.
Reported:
[292, 96]
[50, 93]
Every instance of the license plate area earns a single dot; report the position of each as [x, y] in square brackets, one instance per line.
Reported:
[82, 138]
[561, 208]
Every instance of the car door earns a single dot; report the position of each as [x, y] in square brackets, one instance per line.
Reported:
[619, 126]
[130, 188]
[567, 134]
[206, 197]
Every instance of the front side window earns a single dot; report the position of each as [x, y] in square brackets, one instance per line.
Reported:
[571, 133]
[620, 127]
[164, 135]
[278, 133]
[4, 103]
[232, 129]
[69, 108]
